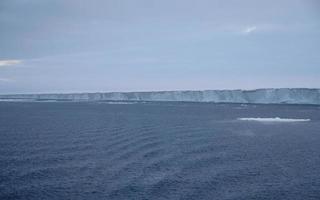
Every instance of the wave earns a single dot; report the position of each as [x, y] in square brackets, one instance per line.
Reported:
[275, 119]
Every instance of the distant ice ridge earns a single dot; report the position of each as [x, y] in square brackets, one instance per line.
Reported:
[15, 100]
[265, 96]
[119, 102]
[276, 119]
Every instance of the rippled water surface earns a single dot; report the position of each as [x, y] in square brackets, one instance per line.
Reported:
[158, 151]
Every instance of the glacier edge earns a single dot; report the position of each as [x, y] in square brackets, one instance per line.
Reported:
[263, 96]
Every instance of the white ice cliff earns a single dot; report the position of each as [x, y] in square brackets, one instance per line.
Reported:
[265, 96]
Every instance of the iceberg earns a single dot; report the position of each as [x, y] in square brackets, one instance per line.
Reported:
[275, 119]
[258, 96]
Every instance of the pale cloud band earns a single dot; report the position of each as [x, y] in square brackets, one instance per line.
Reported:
[249, 30]
[9, 62]
[5, 80]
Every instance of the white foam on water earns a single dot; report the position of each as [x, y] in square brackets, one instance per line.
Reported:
[275, 119]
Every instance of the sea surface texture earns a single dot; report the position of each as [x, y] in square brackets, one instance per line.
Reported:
[158, 150]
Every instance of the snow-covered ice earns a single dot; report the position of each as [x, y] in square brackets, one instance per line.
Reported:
[275, 119]
[265, 96]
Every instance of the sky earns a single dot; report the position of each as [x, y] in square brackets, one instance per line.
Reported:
[151, 45]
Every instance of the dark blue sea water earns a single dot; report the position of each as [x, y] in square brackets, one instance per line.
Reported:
[157, 151]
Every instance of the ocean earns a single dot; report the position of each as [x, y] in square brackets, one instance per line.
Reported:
[159, 150]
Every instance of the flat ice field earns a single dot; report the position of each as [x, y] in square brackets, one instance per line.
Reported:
[153, 150]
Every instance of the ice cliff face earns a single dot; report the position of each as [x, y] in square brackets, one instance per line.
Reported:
[266, 96]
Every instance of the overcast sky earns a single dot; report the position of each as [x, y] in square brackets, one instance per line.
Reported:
[141, 45]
